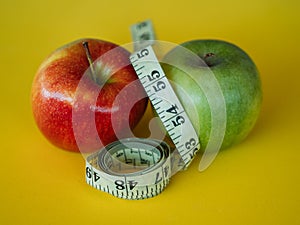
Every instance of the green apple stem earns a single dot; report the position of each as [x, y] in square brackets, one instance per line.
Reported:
[89, 58]
[210, 59]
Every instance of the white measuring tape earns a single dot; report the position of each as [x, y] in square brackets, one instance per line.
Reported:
[137, 168]
[130, 168]
[166, 103]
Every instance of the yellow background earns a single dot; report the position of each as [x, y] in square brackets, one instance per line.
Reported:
[255, 182]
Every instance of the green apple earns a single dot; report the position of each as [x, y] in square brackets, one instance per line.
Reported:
[237, 78]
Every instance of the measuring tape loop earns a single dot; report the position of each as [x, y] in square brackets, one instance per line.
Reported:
[131, 168]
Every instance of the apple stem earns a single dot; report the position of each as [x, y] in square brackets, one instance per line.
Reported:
[89, 58]
[210, 59]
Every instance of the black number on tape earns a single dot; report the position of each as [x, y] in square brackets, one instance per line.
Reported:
[143, 53]
[154, 74]
[158, 178]
[166, 170]
[119, 185]
[193, 153]
[178, 121]
[88, 172]
[145, 36]
[173, 109]
[141, 25]
[191, 143]
[160, 85]
[132, 184]
[96, 177]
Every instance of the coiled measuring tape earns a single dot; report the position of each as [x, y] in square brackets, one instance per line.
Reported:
[130, 168]
[137, 168]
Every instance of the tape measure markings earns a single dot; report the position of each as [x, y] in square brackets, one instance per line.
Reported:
[140, 68]
[166, 103]
[131, 168]
[142, 34]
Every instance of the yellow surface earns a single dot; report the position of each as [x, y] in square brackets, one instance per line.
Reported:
[255, 182]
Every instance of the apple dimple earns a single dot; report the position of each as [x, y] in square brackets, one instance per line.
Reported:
[211, 59]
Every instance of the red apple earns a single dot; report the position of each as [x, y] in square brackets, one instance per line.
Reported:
[55, 94]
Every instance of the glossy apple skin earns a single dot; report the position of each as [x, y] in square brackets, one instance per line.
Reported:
[237, 76]
[54, 91]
